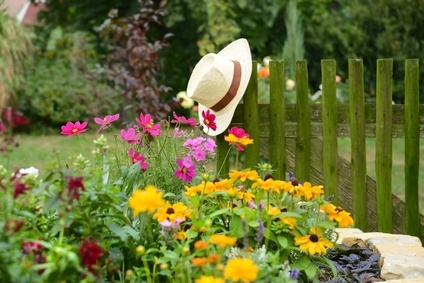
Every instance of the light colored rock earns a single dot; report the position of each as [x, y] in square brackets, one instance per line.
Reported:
[402, 256]
[399, 266]
[409, 280]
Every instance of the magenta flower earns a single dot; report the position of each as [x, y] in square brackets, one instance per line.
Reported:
[137, 158]
[186, 169]
[209, 144]
[199, 155]
[183, 120]
[238, 132]
[106, 121]
[209, 120]
[146, 123]
[130, 136]
[71, 129]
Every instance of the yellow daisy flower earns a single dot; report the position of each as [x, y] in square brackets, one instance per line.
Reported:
[172, 212]
[223, 185]
[243, 175]
[222, 240]
[313, 243]
[209, 279]
[241, 269]
[148, 199]
[290, 221]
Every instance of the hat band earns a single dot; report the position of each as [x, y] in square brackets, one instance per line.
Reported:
[232, 91]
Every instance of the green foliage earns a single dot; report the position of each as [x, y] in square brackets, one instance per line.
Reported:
[61, 83]
[14, 46]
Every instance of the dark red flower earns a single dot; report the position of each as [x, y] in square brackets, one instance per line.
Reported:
[19, 188]
[90, 253]
[74, 184]
[13, 225]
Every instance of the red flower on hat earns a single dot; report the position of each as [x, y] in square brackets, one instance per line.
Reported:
[209, 120]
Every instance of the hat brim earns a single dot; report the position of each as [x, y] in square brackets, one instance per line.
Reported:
[239, 51]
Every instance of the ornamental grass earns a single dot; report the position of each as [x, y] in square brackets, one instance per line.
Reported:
[146, 207]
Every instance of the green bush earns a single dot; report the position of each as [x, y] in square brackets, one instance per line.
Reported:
[62, 83]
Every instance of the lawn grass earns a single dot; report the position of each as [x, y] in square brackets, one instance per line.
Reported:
[43, 152]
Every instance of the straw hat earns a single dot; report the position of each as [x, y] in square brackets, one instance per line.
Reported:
[219, 81]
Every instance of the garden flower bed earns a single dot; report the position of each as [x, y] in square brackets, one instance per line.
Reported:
[145, 208]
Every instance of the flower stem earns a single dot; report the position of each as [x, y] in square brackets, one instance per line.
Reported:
[223, 162]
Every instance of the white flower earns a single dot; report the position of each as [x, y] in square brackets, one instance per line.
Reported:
[266, 60]
[31, 171]
[185, 101]
[290, 85]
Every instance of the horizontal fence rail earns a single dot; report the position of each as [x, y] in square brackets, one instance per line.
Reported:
[302, 138]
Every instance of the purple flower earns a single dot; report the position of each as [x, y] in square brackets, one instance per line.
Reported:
[209, 144]
[294, 273]
[199, 155]
[186, 169]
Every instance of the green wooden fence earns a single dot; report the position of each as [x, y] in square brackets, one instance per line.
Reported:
[302, 138]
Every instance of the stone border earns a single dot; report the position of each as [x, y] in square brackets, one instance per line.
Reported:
[402, 256]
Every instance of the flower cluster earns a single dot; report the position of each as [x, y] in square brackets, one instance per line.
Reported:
[151, 209]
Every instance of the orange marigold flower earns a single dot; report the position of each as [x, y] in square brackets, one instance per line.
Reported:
[214, 258]
[263, 72]
[241, 269]
[199, 261]
[222, 240]
[201, 245]
[145, 200]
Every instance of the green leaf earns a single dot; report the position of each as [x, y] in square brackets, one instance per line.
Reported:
[236, 229]
[51, 204]
[311, 270]
[327, 224]
[218, 212]
[191, 234]
[282, 241]
[116, 255]
[304, 261]
[118, 231]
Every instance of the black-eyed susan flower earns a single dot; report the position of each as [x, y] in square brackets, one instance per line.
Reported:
[313, 243]
[241, 269]
[172, 212]
[336, 213]
[310, 192]
[243, 175]
[148, 199]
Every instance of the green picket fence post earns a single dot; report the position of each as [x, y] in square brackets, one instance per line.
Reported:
[277, 119]
[412, 147]
[329, 121]
[358, 148]
[251, 119]
[303, 139]
[383, 157]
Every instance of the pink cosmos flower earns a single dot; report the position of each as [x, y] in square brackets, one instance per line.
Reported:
[146, 123]
[186, 169]
[71, 129]
[130, 136]
[106, 121]
[183, 120]
[137, 158]
[209, 120]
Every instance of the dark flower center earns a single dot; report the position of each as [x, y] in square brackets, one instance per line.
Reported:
[339, 209]
[170, 210]
[295, 182]
[313, 238]
[268, 176]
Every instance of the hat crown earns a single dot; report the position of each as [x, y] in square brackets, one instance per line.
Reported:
[211, 79]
